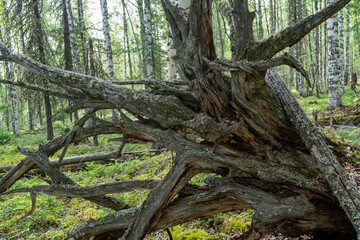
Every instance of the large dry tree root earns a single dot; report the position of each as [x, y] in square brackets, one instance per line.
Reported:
[246, 127]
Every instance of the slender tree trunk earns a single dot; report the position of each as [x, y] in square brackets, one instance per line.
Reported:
[92, 120]
[272, 17]
[172, 71]
[140, 6]
[82, 35]
[317, 55]
[261, 29]
[41, 54]
[126, 36]
[335, 96]
[325, 68]
[67, 48]
[109, 55]
[266, 20]
[40, 117]
[10, 75]
[220, 30]
[341, 49]
[148, 40]
[347, 56]
[140, 56]
[74, 45]
[30, 114]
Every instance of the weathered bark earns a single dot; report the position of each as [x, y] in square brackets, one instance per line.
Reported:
[246, 127]
[95, 157]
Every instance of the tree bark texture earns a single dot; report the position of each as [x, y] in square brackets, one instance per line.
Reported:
[246, 127]
[334, 78]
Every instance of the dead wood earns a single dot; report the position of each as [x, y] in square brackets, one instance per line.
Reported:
[246, 127]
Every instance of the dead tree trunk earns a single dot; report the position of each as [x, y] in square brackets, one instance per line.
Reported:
[248, 128]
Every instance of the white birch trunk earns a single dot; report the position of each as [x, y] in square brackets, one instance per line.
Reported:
[107, 38]
[74, 45]
[333, 60]
[148, 40]
[109, 55]
[347, 58]
[172, 71]
[341, 49]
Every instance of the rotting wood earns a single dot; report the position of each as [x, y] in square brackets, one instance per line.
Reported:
[240, 127]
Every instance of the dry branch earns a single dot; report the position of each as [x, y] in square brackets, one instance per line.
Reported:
[70, 190]
[57, 177]
[40, 89]
[50, 148]
[110, 156]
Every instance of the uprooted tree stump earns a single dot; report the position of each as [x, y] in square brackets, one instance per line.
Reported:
[246, 127]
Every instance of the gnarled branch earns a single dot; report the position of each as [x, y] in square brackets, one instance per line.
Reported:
[294, 33]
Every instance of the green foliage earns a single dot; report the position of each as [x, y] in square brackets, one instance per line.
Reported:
[5, 138]
[4, 107]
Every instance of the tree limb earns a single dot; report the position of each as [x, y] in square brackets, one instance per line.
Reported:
[69, 190]
[40, 89]
[342, 187]
[8, 179]
[257, 66]
[72, 132]
[150, 210]
[89, 103]
[110, 156]
[41, 159]
[294, 33]
[159, 108]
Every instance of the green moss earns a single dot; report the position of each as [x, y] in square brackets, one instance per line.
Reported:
[237, 223]
[189, 234]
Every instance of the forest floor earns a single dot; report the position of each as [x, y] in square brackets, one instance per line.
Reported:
[54, 217]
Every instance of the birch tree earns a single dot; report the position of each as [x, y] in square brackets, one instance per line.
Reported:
[107, 37]
[334, 78]
[341, 49]
[74, 45]
[148, 40]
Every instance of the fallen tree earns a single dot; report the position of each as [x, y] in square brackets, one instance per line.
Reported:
[246, 127]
